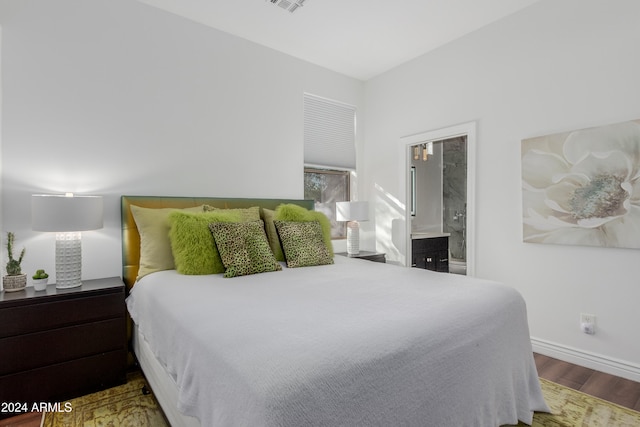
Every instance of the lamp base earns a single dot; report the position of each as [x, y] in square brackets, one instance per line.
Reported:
[353, 238]
[63, 286]
[68, 260]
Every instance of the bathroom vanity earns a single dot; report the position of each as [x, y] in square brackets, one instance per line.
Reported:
[430, 250]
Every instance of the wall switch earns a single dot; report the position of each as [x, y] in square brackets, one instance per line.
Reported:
[588, 323]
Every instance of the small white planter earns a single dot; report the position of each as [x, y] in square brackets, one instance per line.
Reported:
[40, 284]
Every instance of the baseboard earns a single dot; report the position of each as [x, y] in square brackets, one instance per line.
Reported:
[598, 362]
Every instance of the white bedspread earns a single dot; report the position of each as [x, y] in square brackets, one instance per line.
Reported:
[356, 343]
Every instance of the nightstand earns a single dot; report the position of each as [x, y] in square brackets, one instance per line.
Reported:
[62, 343]
[370, 256]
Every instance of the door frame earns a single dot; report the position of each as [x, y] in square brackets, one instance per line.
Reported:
[465, 129]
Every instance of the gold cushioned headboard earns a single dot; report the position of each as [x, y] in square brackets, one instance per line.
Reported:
[131, 238]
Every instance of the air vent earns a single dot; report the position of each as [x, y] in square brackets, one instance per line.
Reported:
[290, 5]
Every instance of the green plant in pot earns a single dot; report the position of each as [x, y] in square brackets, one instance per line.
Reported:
[15, 280]
[40, 280]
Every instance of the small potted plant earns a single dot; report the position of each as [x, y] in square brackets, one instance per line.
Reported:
[14, 280]
[40, 280]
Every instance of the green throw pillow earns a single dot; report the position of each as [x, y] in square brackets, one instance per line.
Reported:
[291, 212]
[193, 247]
[244, 248]
[303, 243]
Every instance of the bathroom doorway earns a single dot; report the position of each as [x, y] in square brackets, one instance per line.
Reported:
[439, 199]
[440, 190]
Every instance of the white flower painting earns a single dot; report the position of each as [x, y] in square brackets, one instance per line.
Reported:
[583, 187]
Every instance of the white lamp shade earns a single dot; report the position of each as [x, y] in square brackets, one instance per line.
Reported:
[66, 213]
[352, 211]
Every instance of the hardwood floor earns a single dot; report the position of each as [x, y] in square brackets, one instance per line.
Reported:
[32, 419]
[614, 389]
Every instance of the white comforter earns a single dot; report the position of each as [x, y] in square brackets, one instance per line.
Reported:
[356, 343]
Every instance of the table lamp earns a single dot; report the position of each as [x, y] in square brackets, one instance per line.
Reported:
[68, 216]
[352, 212]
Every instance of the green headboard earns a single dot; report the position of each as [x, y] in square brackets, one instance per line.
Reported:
[131, 238]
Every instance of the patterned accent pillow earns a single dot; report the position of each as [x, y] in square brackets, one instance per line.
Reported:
[291, 212]
[303, 243]
[246, 214]
[244, 248]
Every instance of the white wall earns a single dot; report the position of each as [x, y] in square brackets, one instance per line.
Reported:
[555, 66]
[116, 97]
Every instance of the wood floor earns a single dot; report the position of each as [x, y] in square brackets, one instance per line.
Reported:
[614, 389]
[608, 387]
[32, 419]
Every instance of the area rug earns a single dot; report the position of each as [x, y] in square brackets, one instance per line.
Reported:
[571, 408]
[127, 406]
[122, 406]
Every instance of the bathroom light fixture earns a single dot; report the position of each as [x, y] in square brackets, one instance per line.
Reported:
[423, 151]
[352, 212]
[67, 215]
[427, 150]
[290, 5]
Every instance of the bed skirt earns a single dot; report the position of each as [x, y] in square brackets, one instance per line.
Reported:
[163, 386]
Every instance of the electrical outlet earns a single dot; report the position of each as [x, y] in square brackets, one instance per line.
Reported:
[587, 318]
[588, 323]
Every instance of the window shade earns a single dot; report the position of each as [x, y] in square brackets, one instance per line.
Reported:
[329, 133]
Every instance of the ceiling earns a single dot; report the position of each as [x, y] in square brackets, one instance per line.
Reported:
[358, 38]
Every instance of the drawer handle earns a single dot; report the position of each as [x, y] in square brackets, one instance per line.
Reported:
[444, 259]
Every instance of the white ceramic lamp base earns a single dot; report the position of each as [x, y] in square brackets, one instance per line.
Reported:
[68, 260]
[353, 238]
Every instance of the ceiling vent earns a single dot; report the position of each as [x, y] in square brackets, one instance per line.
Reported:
[290, 5]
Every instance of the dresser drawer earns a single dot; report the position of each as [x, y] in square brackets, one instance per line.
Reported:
[65, 380]
[430, 244]
[39, 349]
[55, 314]
[431, 253]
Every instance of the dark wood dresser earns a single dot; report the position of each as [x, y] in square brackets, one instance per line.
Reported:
[62, 343]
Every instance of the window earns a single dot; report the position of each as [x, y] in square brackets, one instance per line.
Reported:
[329, 155]
[326, 187]
[329, 133]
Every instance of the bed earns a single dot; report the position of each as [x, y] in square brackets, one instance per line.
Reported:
[349, 343]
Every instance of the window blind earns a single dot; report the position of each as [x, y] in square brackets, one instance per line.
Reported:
[329, 133]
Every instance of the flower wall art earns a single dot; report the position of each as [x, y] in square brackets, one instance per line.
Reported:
[583, 187]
